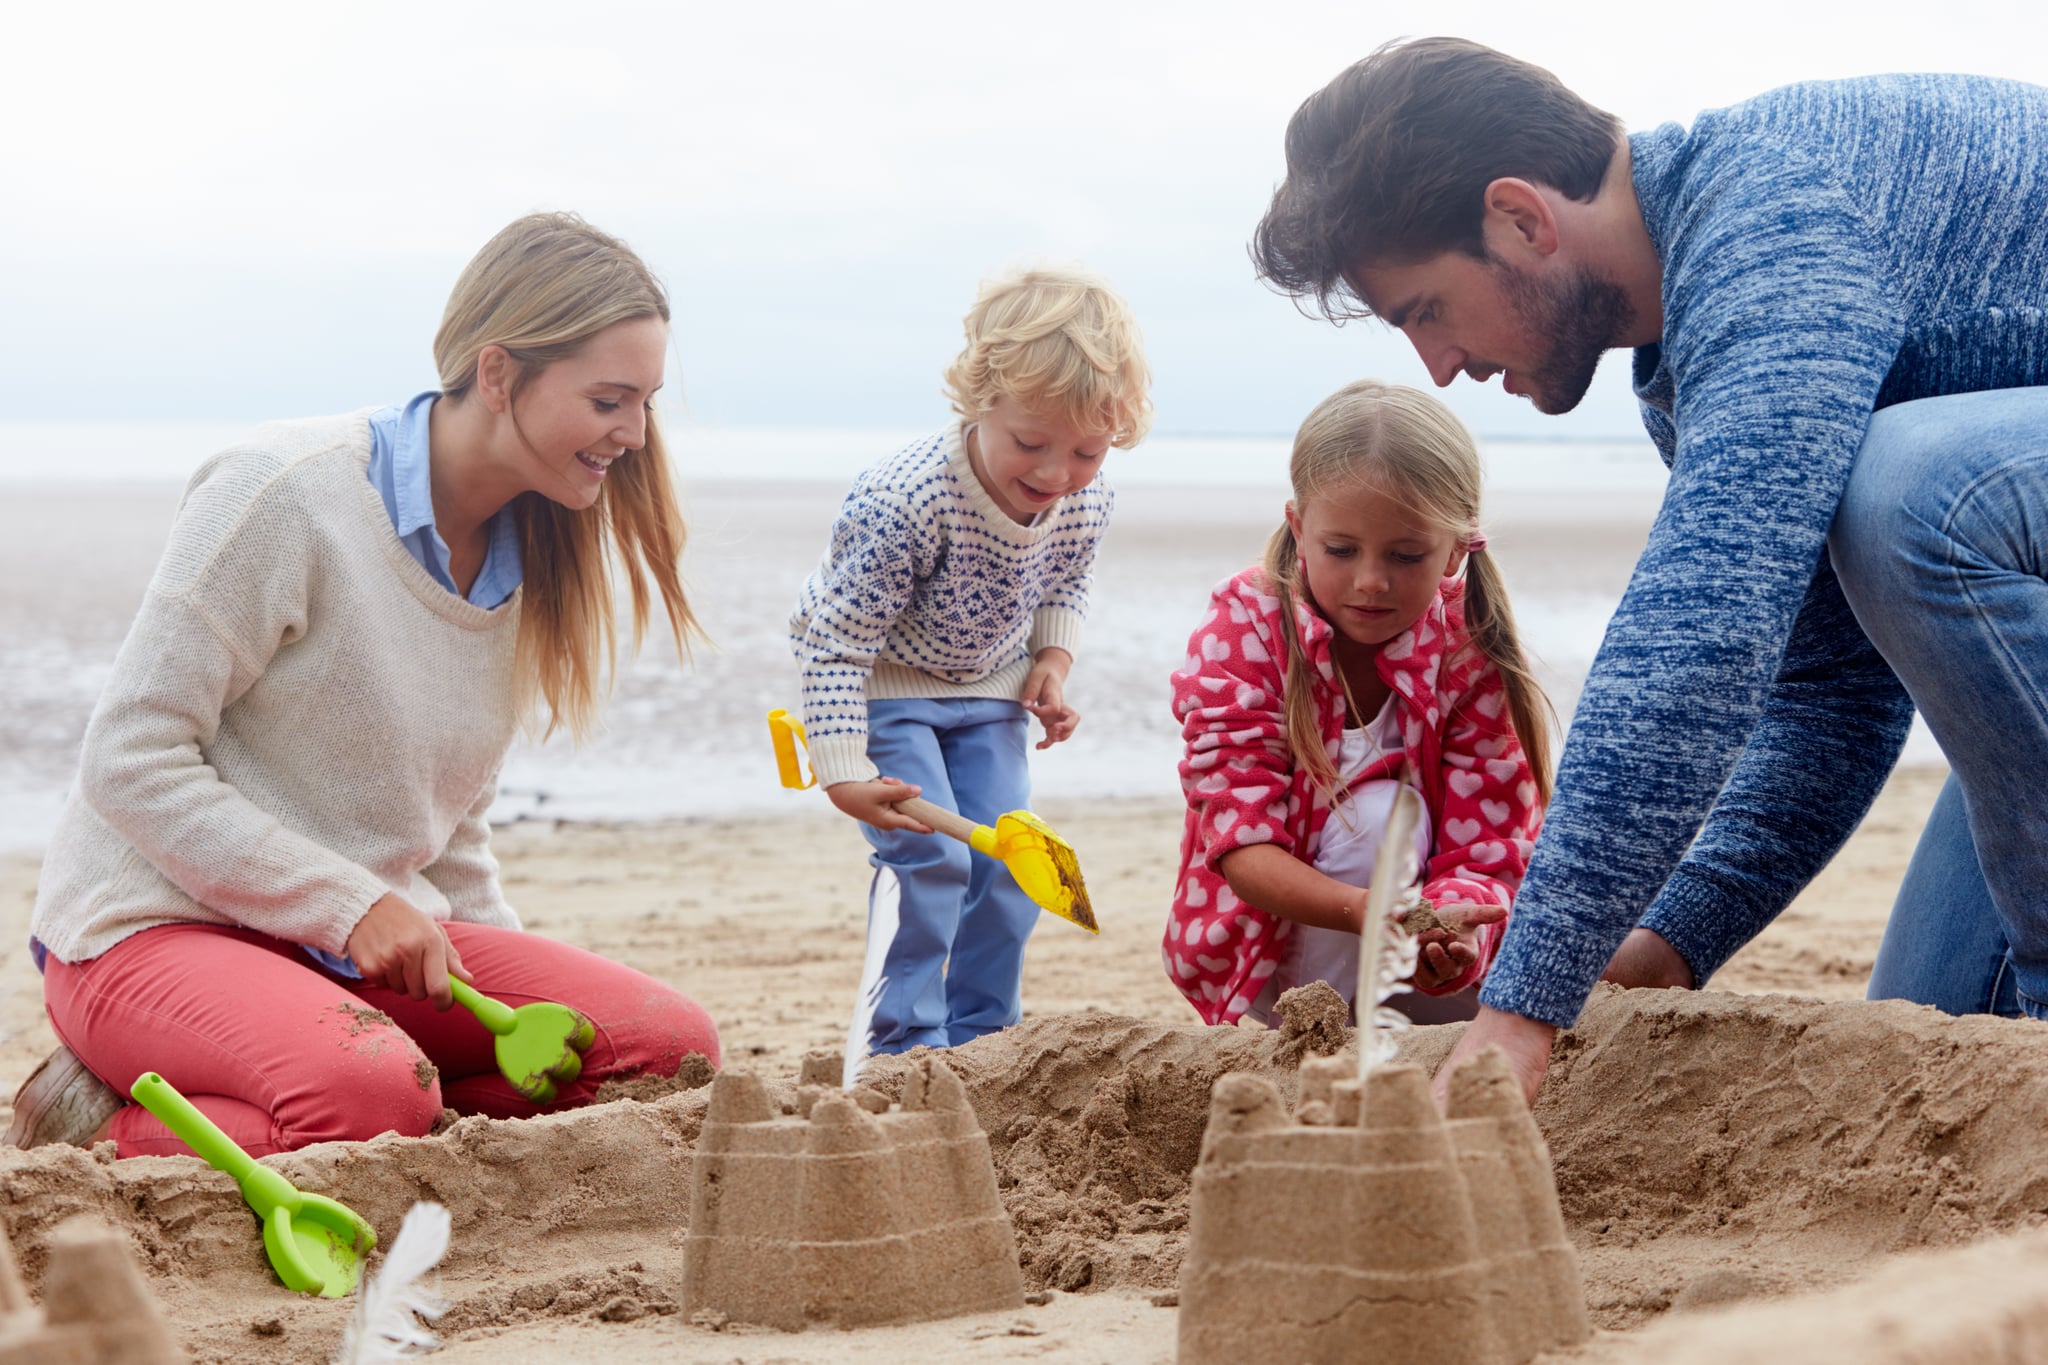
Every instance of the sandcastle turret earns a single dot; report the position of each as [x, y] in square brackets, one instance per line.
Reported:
[1553, 1296]
[1364, 1227]
[843, 1216]
[96, 1306]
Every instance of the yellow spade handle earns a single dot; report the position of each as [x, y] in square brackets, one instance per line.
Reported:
[941, 819]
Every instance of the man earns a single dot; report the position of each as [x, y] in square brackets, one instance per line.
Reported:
[1838, 299]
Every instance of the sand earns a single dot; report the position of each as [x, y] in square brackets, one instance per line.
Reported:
[1718, 1154]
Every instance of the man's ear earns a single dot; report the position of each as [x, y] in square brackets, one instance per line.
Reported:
[1519, 219]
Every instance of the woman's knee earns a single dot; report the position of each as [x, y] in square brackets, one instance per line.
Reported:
[663, 1027]
[375, 1081]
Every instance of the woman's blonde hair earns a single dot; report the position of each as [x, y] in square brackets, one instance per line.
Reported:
[1404, 441]
[1059, 342]
[541, 289]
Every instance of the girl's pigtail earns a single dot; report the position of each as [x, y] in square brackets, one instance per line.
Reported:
[1304, 730]
[1490, 623]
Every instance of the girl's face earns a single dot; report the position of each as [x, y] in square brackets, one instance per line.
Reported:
[1028, 462]
[1373, 563]
[580, 414]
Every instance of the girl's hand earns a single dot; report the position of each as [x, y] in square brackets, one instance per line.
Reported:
[1452, 947]
[1044, 695]
[395, 946]
[874, 803]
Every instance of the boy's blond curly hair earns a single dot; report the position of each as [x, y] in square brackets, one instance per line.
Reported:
[1060, 342]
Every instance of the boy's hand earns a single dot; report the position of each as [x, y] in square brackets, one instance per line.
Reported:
[874, 803]
[1044, 696]
[1446, 951]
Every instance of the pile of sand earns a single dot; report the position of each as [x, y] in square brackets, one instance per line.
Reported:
[1708, 1148]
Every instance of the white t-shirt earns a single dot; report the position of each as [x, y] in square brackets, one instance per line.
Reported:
[1349, 851]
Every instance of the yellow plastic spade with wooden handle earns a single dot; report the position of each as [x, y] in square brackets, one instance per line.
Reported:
[1044, 864]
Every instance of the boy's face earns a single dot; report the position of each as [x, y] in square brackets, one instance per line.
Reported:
[1028, 461]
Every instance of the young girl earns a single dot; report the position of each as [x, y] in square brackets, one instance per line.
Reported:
[948, 607]
[276, 853]
[1352, 658]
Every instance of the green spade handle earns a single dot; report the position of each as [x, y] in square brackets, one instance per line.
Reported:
[495, 1015]
[264, 1188]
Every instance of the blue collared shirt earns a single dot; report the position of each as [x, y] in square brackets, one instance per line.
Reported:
[399, 471]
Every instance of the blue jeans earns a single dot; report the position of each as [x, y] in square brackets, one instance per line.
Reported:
[953, 967]
[1941, 544]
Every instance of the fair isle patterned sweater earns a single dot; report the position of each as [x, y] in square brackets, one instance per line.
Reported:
[1828, 249]
[929, 589]
[1244, 787]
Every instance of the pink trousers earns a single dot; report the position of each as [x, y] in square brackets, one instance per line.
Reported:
[281, 1053]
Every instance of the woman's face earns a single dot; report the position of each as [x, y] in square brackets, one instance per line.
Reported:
[580, 414]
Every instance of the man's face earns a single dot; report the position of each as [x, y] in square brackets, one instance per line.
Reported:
[1543, 333]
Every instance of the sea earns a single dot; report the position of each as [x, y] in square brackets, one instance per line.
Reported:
[84, 508]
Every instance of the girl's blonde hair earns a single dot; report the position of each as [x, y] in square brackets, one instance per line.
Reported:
[1059, 342]
[1402, 440]
[541, 289]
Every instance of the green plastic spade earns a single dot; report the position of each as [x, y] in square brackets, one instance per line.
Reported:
[538, 1044]
[316, 1245]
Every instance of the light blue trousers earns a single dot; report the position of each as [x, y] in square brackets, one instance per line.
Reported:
[953, 963]
[1941, 543]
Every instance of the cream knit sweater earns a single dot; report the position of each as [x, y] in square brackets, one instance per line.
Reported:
[300, 721]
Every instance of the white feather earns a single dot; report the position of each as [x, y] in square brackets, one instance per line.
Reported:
[1386, 950]
[386, 1322]
[884, 917]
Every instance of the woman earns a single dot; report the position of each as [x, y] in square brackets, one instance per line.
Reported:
[276, 853]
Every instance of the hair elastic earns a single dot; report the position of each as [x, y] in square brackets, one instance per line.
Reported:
[1475, 542]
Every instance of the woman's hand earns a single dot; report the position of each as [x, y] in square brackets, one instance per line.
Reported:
[400, 949]
[874, 803]
[1045, 695]
[1453, 945]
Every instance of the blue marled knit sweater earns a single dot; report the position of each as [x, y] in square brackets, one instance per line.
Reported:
[1828, 250]
[929, 589]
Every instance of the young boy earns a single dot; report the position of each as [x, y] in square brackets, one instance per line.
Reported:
[949, 605]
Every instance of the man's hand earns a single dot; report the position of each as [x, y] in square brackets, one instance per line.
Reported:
[1446, 952]
[395, 946]
[1526, 1042]
[874, 803]
[1045, 695]
[1646, 960]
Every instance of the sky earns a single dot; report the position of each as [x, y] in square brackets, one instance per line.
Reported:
[232, 212]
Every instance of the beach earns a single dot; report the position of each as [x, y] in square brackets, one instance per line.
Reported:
[1728, 1150]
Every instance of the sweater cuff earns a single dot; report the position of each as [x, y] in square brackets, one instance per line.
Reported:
[339, 907]
[1056, 628]
[1547, 966]
[1693, 917]
[842, 758]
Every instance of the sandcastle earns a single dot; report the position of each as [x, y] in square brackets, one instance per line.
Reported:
[96, 1309]
[849, 1213]
[1398, 1237]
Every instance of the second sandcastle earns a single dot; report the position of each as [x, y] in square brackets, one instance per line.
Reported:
[1364, 1227]
[849, 1212]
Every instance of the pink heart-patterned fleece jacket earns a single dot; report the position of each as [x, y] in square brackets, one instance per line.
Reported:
[1244, 787]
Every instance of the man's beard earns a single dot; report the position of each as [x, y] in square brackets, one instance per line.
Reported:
[1576, 319]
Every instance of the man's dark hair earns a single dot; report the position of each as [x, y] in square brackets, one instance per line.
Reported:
[1389, 163]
